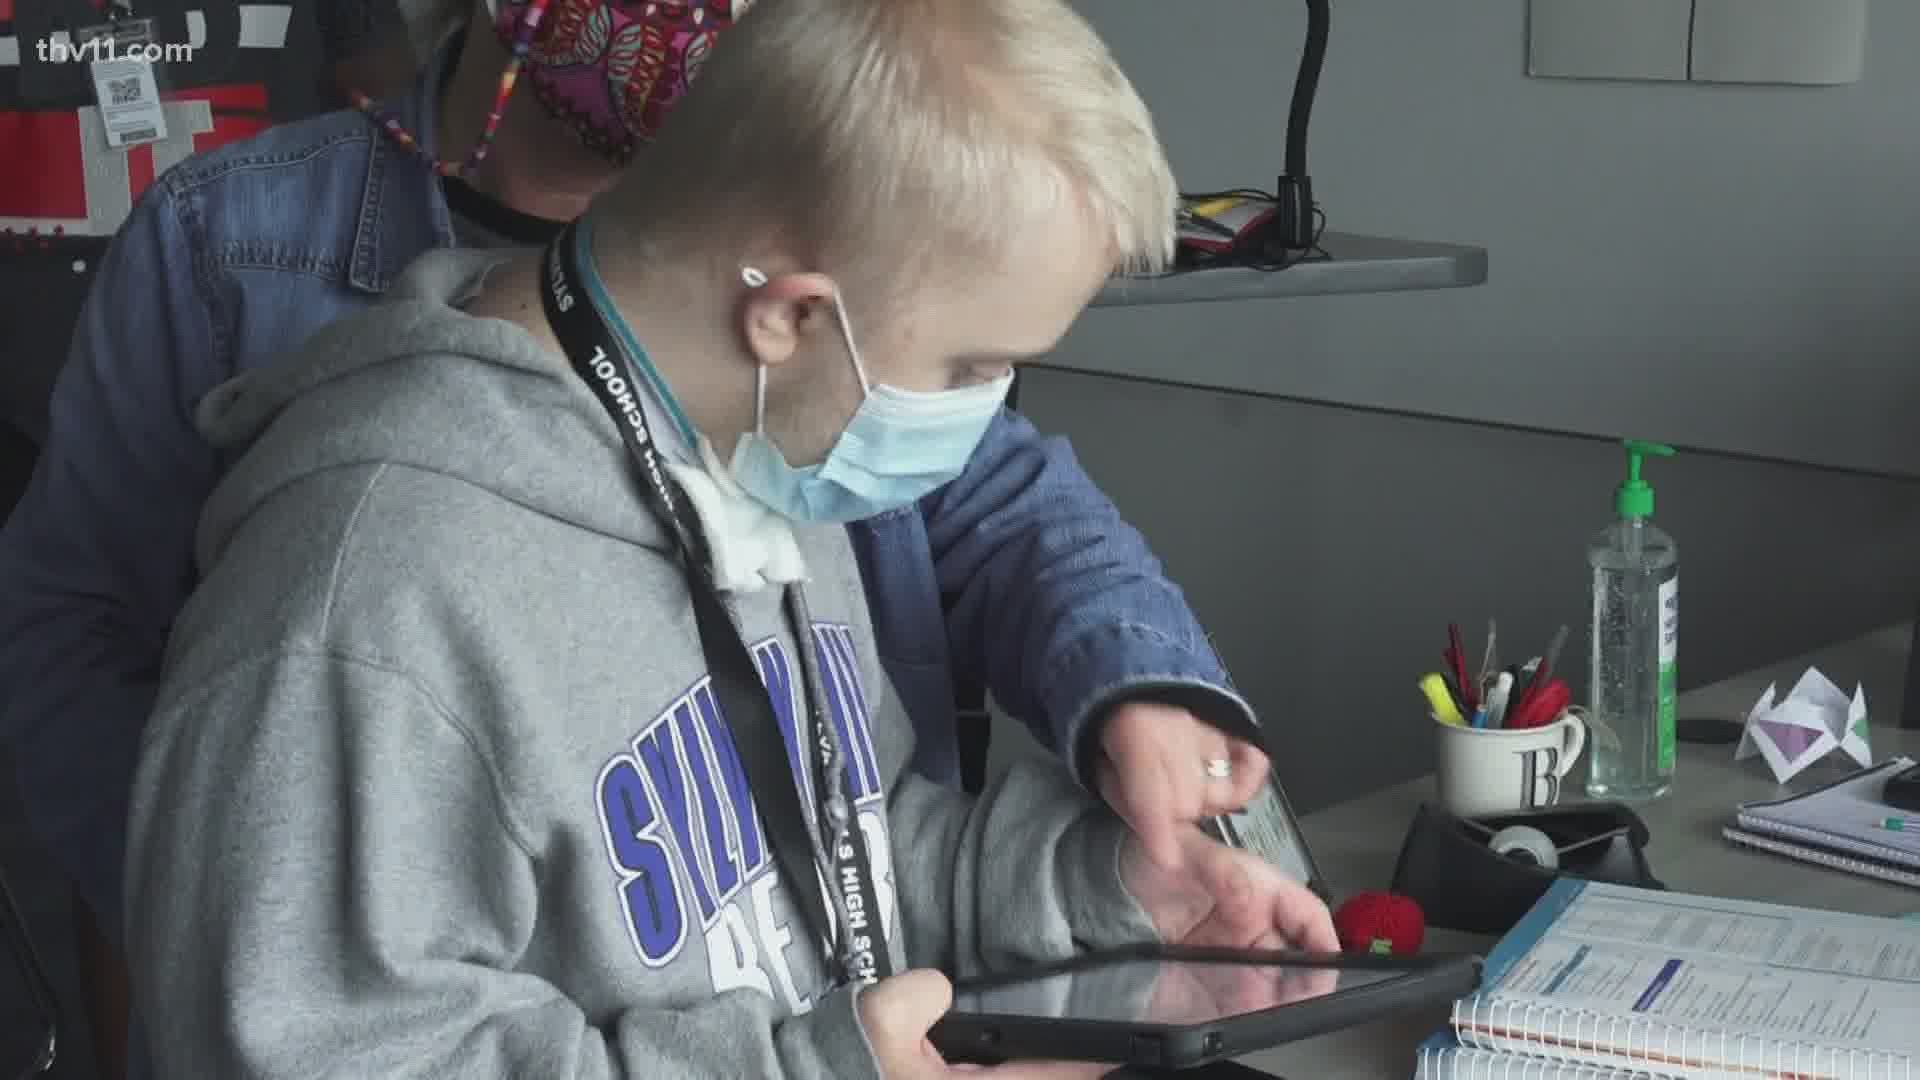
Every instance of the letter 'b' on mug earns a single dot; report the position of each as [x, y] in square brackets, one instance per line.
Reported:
[1486, 771]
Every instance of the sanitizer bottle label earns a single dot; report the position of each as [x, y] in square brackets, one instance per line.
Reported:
[1669, 680]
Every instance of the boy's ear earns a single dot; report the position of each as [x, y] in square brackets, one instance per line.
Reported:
[779, 314]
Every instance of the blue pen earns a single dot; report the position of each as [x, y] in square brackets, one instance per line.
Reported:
[1479, 718]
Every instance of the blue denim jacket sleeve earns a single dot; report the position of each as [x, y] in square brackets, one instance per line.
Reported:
[1056, 604]
[98, 555]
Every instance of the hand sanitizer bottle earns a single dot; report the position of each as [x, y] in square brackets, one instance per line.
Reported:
[1634, 640]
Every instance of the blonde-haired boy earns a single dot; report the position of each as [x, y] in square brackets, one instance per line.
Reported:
[442, 782]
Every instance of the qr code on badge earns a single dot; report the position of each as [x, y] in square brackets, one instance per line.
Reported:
[124, 91]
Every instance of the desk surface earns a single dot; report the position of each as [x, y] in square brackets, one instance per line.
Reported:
[1356, 842]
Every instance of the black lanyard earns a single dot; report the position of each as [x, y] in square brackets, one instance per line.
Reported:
[738, 689]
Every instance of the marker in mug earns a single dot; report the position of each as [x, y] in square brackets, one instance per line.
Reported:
[1440, 700]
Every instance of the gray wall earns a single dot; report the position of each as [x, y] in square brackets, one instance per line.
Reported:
[1326, 549]
[1729, 268]
[1722, 266]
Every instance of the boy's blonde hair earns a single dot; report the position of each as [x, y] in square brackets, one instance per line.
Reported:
[865, 133]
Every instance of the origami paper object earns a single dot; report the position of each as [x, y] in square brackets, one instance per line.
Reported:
[1816, 719]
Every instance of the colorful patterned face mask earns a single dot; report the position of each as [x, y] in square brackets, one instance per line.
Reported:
[613, 68]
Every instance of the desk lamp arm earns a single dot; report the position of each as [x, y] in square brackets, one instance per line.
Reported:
[1294, 227]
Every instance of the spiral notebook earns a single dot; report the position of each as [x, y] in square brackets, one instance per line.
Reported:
[1835, 826]
[1443, 1058]
[1694, 988]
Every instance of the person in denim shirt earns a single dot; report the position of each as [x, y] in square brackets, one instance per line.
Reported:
[1019, 575]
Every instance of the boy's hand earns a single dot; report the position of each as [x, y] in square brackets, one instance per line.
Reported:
[1225, 897]
[896, 1014]
[1154, 774]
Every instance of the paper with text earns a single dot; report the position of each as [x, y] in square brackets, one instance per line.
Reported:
[1699, 986]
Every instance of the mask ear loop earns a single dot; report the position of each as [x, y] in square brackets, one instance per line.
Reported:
[853, 351]
[755, 278]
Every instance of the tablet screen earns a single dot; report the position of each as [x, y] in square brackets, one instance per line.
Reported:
[1177, 992]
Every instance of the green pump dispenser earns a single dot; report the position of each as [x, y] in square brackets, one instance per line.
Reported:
[1633, 499]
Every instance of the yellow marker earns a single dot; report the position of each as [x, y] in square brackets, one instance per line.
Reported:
[1213, 207]
[1444, 710]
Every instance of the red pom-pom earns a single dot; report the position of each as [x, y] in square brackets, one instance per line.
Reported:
[1380, 922]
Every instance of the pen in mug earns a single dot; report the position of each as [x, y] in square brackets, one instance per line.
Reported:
[1497, 700]
[1894, 824]
[1461, 702]
[1542, 707]
[1457, 659]
[1542, 673]
[1521, 676]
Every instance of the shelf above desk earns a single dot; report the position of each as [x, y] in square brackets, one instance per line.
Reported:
[1358, 264]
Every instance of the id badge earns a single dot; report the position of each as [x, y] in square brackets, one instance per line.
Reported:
[121, 57]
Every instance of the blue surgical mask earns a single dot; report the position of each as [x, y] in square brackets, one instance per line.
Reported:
[900, 445]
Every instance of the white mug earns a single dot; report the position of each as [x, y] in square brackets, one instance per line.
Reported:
[1497, 770]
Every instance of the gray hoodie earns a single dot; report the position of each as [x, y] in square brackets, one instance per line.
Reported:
[436, 785]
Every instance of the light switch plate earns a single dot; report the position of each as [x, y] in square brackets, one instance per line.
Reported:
[1802, 42]
[1608, 39]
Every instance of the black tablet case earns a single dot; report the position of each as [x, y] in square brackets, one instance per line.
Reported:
[982, 1037]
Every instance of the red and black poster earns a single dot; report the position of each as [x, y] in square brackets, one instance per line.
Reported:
[233, 70]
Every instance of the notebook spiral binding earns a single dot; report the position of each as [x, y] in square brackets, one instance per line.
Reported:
[1576, 1036]
[1819, 855]
[1469, 1063]
[1820, 838]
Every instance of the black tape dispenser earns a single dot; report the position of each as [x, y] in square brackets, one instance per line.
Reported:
[1480, 875]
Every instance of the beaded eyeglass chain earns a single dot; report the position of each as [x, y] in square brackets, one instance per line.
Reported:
[522, 44]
